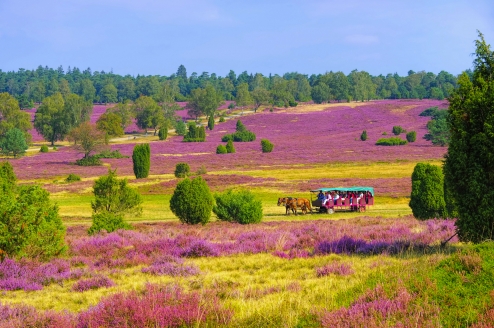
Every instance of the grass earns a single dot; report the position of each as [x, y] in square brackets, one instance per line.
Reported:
[333, 171]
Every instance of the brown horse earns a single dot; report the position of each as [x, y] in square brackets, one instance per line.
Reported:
[294, 203]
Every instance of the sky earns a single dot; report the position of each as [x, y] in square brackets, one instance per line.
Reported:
[152, 37]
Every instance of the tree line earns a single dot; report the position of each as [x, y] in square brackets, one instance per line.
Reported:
[32, 86]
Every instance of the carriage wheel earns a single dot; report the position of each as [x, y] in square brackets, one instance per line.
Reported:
[330, 211]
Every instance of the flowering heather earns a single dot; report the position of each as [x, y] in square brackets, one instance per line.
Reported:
[378, 309]
[27, 316]
[158, 306]
[171, 266]
[32, 275]
[340, 269]
[92, 283]
[331, 135]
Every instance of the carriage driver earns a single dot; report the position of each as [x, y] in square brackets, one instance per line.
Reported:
[320, 196]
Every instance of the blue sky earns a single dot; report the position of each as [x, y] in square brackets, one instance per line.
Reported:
[151, 37]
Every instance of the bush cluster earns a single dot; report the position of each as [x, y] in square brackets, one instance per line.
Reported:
[180, 128]
[89, 161]
[241, 134]
[394, 141]
[266, 146]
[238, 206]
[195, 133]
[411, 136]
[141, 158]
[43, 149]
[222, 119]
[72, 178]
[397, 130]
[182, 170]
[110, 154]
[109, 222]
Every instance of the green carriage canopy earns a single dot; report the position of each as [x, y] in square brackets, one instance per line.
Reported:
[346, 189]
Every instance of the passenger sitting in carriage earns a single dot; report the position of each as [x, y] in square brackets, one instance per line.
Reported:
[320, 196]
[327, 198]
[336, 197]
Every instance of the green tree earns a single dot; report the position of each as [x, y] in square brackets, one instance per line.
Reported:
[111, 124]
[87, 138]
[54, 117]
[182, 170]
[7, 178]
[13, 143]
[260, 97]
[123, 110]
[192, 201]
[148, 113]
[141, 159]
[113, 199]
[321, 93]
[87, 90]
[438, 129]
[108, 94]
[238, 206]
[243, 97]
[11, 116]
[203, 102]
[363, 136]
[180, 128]
[427, 198]
[469, 163]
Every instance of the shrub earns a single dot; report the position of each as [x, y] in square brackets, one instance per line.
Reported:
[211, 122]
[240, 127]
[222, 119]
[229, 147]
[221, 149]
[431, 111]
[195, 133]
[238, 206]
[73, 178]
[384, 133]
[163, 133]
[411, 136]
[231, 105]
[292, 103]
[110, 154]
[55, 148]
[109, 222]
[202, 170]
[427, 198]
[391, 142]
[266, 146]
[141, 158]
[43, 149]
[241, 136]
[192, 201]
[182, 170]
[115, 196]
[31, 226]
[363, 136]
[89, 161]
[397, 130]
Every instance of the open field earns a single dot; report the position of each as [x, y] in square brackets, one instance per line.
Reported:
[372, 269]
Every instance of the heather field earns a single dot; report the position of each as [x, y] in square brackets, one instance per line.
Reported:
[380, 268]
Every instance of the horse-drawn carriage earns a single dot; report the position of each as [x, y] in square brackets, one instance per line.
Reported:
[351, 198]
